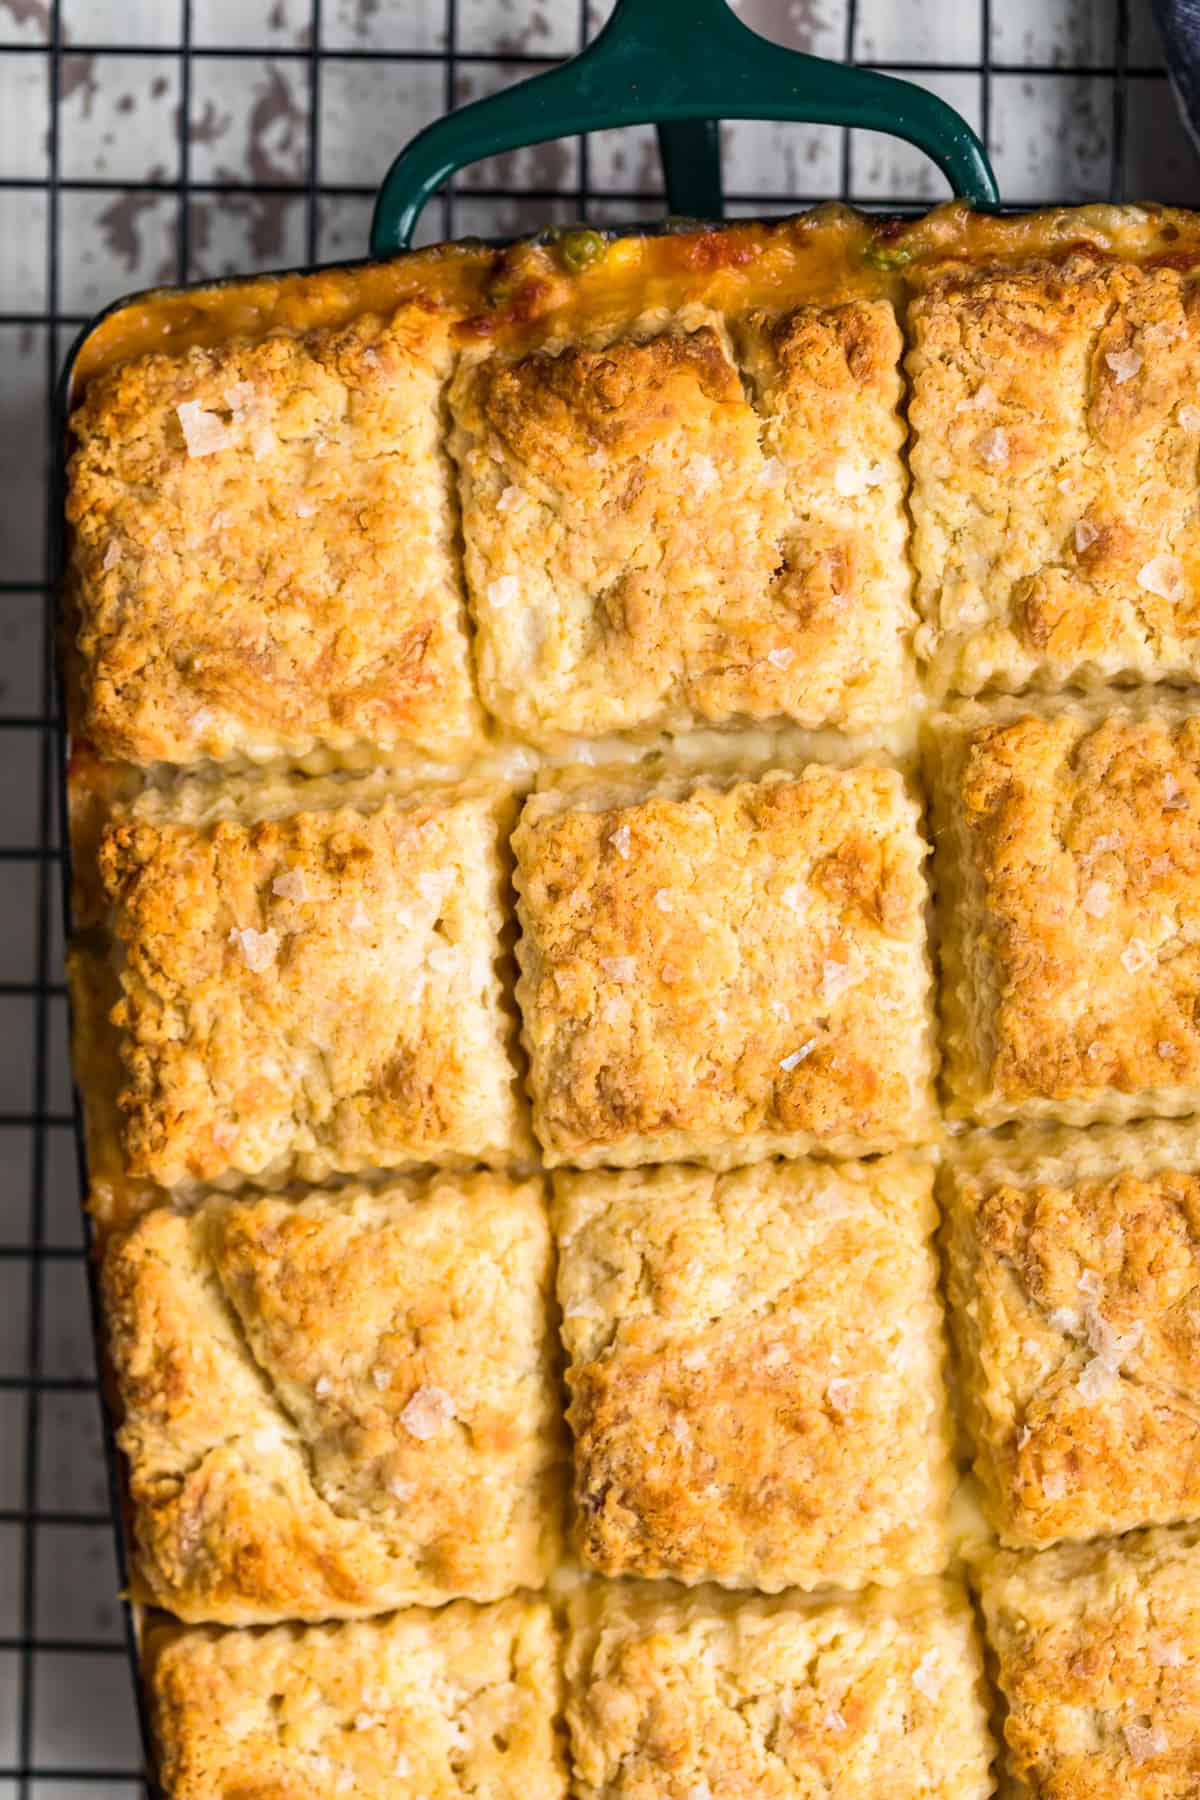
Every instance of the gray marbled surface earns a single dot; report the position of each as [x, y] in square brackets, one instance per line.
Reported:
[240, 169]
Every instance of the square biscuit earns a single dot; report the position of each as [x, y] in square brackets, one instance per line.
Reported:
[340, 1404]
[672, 1694]
[1096, 1652]
[447, 1704]
[1068, 851]
[722, 974]
[645, 552]
[263, 558]
[1073, 1261]
[756, 1372]
[308, 979]
[1054, 455]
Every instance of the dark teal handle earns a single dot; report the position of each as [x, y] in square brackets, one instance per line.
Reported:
[665, 62]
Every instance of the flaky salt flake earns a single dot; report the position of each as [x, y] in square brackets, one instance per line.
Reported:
[259, 948]
[381, 1377]
[840, 1392]
[702, 473]
[1090, 1283]
[204, 433]
[797, 1056]
[304, 509]
[322, 1387]
[619, 840]
[443, 960]
[221, 521]
[401, 1490]
[679, 1428]
[239, 395]
[794, 896]
[1124, 364]
[1096, 1379]
[290, 885]
[1085, 536]
[1162, 575]
[772, 473]
[1144, 1741]
[1135, 955]
[112, 555]
[1114, 1242]
[507, 499]
[928, 1676]
[835, 979]
[781, 657]
[1166, 1653]
[693, 1360]
[991, 447]
[503, 591]
[401, 1768]
[1063, 1318]
[1066, 484]
[1189, 417]
[664, 899]
[365, 1721]
[834, 1720]
[619, 968]
[670, 973]
[360, 919]
[428, 1413]
[1054, 1486]
[1097, 899]
[1174, 798]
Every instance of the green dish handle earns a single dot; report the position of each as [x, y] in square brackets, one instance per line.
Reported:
[680, 65]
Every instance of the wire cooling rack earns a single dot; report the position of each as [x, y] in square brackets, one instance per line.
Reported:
[144, 141]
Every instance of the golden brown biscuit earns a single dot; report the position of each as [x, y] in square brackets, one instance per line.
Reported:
[644, 553]
[338, 1405]
[1097, 1654]
[725, 974]
[263, 551]
[1056, 436]
[689, 1695]
[756, 1372]
[443, 1704]
[1068, 857]
[308, 979]
[1074, 1261]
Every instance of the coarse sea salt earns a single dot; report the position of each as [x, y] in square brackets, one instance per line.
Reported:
[1124, 364]
[991, 447]
[204, 433]
[259, 948]
[427, 1414]
[1163, 576]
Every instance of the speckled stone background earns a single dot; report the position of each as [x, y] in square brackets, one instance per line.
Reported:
[166, 172]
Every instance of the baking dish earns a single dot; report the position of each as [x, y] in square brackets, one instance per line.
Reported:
[725, 71]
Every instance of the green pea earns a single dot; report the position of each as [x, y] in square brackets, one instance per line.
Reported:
[887, 256]
[578, 249]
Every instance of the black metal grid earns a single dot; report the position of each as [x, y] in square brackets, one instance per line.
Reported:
[39, 1252]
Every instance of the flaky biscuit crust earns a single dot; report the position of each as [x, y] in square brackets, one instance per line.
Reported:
[1097, 1651]
[338, 1405]
[1072, 1305]
[756, 1372]
[729, 974]
[293, 587]
[316, 990]
[1069, 904]
[615, 591]
[446, 1704]
[670, 1693]
[1056, 437]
